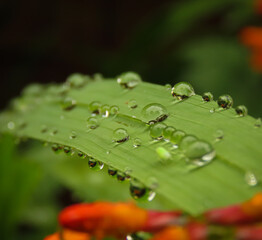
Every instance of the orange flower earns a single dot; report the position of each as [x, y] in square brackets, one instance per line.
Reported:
[253, 207]
[67, 234]
[172, 233]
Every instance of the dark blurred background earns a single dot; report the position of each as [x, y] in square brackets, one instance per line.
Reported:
[199, 41]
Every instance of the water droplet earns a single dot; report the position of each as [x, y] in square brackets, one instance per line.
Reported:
[105, 110]
[68, 151]
[112, 171]
[94, 164]
[163, 153]
[34, 89]
[241, 110]
[44, 129]
[186, 141]
[167, 132]
[77, 80]
[81, 154]
[207, 96]
[22, 124]
[219, 135]
[200, 152]
[156, 131]
[120, 135]
[251, 179]
[258, 123]
[176, 137]
[11, 125]
[128, 172]
[57, 148]
[94, 107]
[121, 176]
[92, 123]
[98, 77]
[139, 191]
[182, 90]
[153, 111]
[129, 80]
[137, 142]
[114, 110]
[73, 135]
[68, 104]
[54, 132]
[225, 101]
[168, 86]
[212, 110]
[132, 104]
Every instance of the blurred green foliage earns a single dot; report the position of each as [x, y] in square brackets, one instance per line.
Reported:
[194, 40]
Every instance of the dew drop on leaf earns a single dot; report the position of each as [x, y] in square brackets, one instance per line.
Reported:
[114, 110]
[57, 148]
[140, 192]
[186, 141]
[94, 107]
[129, 80]
[258, 123]
[68, 104]
[156, 131]
[168, 86]
[68, 150]
[137, 142]
[163, 153]
[250, 179]
[212, 110]
[73, 135]
[225, 101]
[77, 80]
[152, 111]
[92, 123]
[132, 104]
[81, 154]
[44, 129]
[182, 90]
[121, 176]
[207, 96]
[94, 164]
[167, 132]
[105, 110]
[112, 171]
[120, 135]
[200, 152]
[54, 132]
[241, 110]
[219, 135]
[176, 137]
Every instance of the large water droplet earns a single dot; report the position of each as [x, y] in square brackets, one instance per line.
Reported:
[112, 171]
[207, 96]
[163, 153]
[137, 142]
[200, 152]
[167, 132]
[92, 123]
[241, 110]
[120, 135]
[182, 90]
[129, 80]
[68, 104]
[177, 136]
[139, 191]
[156, 131]
[132, 104]
[225, 101]
[251, 179]
[94, 164]
[114, 110]
[77, 80]
[94, 107]
[258, 123]
[153, 111]
[186, 141]
[105, 110]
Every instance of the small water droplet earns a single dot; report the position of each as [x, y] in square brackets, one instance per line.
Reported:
[152, 111]
[94, 107]
[57, 148]
[208, 96]
[139, 191]
[219, 135]
[73, 135]
[241, 110]
[186, 141]
[68, 151]
[11, 125]
[34, 89]
[44, 129]
[167, 132]
[137, 142]
[212, 110]
[128, 172]
[163, 153]
[81, 154]
[92, 123]
[68, 104]
[182, 90]
[105, 110]
[176, 137]
[132, 104]
[108, 152]
[53, 132]
[77, 80]
[200, 152]
[168, 86]
[156, 131]
[121, 176]
[114, 110]
[120, 135]
[112, 171]
[258, 123]
[250, 179]
[225, 101]
[94, 164]
[129, 80]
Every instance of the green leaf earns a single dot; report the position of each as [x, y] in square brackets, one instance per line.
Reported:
[39, 114]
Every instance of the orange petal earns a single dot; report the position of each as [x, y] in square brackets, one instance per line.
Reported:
[68, 235]
[252, 37]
